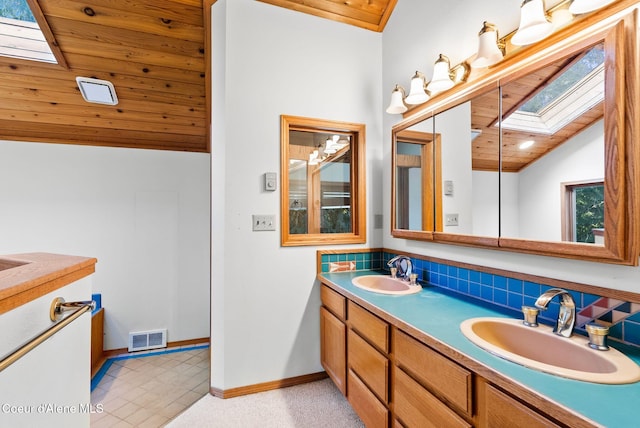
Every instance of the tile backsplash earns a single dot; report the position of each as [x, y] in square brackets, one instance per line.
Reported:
[622, 318]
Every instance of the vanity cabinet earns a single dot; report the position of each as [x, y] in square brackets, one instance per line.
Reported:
[354, 346]
[392, 377]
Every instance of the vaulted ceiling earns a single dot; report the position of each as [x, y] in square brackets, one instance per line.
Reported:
[370, 14]
[154, 52]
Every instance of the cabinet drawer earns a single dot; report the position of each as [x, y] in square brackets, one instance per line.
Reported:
[370, 365]
[372, 328]
[417, 407]
[334, 301]
[373, 413]
[442, 376]
[502, 411]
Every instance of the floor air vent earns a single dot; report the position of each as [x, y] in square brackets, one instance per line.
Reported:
[143, 340]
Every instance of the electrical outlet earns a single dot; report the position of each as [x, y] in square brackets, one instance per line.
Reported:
[264, 222]
[451, 220]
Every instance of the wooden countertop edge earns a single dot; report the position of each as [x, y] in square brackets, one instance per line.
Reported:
[38, 274]
[553, 409]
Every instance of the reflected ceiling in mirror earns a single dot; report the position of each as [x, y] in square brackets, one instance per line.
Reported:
[551, 105]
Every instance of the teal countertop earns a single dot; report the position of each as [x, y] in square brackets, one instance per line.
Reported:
[438, 313]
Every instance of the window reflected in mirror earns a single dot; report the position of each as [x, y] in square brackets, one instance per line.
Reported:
[323, 182]
[583, 211]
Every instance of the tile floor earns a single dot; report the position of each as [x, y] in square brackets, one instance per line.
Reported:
[148, 390]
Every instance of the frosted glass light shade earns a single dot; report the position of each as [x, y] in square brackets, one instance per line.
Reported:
[396, 106]
[417, 94]
[488, 51]
[441, 79]
[583, 6]
[533, 24]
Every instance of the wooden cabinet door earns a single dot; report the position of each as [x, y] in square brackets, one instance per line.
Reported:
[502, 411]
[417, 407]
[333, 349]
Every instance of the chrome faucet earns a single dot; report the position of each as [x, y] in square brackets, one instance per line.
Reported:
[566, 316]
[403, 265]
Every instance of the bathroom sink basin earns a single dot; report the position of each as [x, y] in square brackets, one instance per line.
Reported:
[385, 284]
[539, 348]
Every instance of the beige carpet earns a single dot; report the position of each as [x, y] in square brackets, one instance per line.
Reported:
[315, 404]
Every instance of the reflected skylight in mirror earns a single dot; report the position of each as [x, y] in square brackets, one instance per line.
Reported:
[571, 93]
[20, 35]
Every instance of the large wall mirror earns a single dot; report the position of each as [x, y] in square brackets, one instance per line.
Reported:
[323, 182]
[539, 154]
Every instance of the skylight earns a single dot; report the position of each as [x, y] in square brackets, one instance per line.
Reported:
[571, 94]
[20, 35]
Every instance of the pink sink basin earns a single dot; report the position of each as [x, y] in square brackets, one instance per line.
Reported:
[385, 284]
[540, 349]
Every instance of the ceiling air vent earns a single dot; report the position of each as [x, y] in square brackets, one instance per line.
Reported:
[143, 340]
[97, 91]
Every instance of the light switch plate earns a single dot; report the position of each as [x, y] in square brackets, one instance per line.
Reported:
[448, 187]
[264, 222]
[270, 181]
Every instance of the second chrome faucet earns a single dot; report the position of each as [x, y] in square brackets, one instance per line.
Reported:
[567, 314]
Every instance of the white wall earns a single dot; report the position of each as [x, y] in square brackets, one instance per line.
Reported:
[453, 127]
[143, 214]
[578, 159]
[269, 61]
[415, 34]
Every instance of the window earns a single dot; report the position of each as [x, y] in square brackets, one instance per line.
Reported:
[21, 35]
[584, 212]
[323, 182]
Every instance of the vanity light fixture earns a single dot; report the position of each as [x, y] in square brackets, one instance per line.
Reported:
[397, 105]
[441, 76]
[97, 91]
[583, 6]
[490, 49]
[313, 158]
[418, 91]
[534, 25]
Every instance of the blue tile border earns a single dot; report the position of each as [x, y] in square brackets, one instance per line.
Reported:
[109, 362]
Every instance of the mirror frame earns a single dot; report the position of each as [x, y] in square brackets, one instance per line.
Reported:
[357, 179]
[617, 26]
[430, 153]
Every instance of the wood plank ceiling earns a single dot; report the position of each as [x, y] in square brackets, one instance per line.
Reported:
[152, 51]
[484, 117]
[370, 14]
